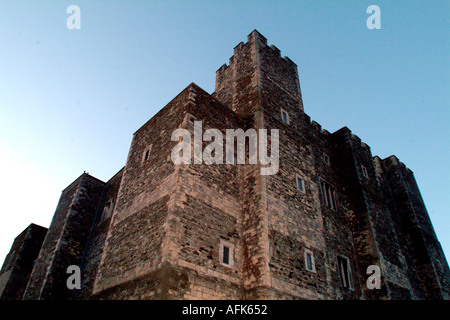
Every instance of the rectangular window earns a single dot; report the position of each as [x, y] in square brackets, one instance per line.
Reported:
[309, 260]
[364, 172]
[284, 116]
[329, 197]
[300, 182]
[226, 253]
[345, 276]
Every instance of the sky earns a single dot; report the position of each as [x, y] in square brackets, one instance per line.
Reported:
[71, 99]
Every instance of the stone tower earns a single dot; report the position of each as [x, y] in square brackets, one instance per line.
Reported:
[173, 224]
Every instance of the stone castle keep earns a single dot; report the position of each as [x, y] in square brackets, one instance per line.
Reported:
[157, 230]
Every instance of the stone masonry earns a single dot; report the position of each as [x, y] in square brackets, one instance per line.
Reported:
[20, 261]
[160, 230]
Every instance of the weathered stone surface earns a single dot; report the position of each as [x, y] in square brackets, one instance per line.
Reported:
[66, 239]
[96, 241]
[20, 261]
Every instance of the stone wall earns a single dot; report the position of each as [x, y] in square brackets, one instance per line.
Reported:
[207, 209]
[19, 262]
[97, 237]
[66, 239]
[427, 267]
[138, 240]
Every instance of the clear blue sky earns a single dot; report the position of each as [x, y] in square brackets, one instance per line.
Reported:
[70, 100]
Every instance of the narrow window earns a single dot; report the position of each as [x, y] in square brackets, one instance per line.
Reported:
[226, 252]
[300, 182]
[364, 172]
[329, 196]
[344, 272]
[309, 260]
[322, 191]
[333, 199]
[226, 255]
[146, 155]
[326, 159]
[284, 116]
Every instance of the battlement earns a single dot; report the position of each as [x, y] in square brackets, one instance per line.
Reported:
[253, 39]
[258, 68]
[394, 160]
[276, 50]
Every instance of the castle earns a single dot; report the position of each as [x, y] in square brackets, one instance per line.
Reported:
[318, 228]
